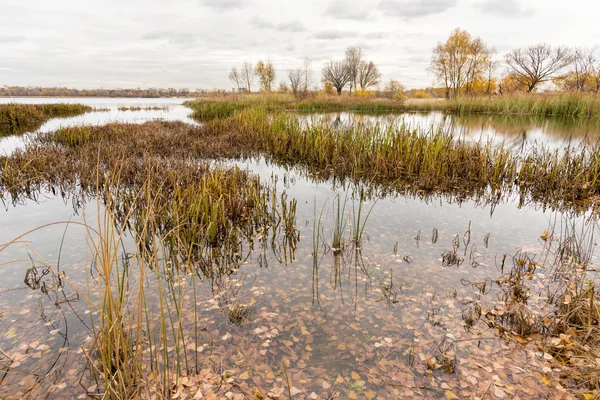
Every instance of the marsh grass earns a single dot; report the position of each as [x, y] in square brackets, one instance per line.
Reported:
[20, 118]
[340, 221]
[572, 105]
[359, 222]
[166, 222]
[408, 158]
[209, 109]
[395, 158]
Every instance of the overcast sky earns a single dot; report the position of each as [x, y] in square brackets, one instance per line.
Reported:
[194, 43]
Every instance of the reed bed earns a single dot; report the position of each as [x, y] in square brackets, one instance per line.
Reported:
[213, 205]
[398, 158]
[572, 105]
[20, 118]
[403, 157]
[209, 109]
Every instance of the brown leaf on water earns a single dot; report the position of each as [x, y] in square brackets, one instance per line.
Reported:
[450, 395]
[498, 392]
[294, 391]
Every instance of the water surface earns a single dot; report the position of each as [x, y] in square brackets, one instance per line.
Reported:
[362, 324]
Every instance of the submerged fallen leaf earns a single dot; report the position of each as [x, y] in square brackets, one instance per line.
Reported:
[450, 395]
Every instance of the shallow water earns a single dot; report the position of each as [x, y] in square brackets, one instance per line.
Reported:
[332, 321]
[517, 133]
[173, 111]
[364, 323]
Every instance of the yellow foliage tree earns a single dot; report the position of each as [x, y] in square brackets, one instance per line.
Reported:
[460, 61]
[328, 88]
[510, 84]
[266, 75]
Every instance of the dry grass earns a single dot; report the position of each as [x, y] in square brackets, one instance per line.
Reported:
[20, 118]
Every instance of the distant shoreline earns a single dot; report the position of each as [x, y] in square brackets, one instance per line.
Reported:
[91, 97]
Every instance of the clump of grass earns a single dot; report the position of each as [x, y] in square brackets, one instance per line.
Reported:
[207, 110]
[20, 118]
[417, 158]
[239, 313]
[340, 220]
[359, 222]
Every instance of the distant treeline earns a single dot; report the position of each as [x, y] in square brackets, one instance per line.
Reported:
[21, 91]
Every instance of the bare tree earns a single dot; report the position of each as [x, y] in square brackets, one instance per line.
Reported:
[354, 57]
[308, 74]
[235, 78]
[368, 75]
[283, 87]
[337, 74]
[536, 64]
[491, 66]
[584, 61]
[247, 75]
[440, 67]
[296, 78]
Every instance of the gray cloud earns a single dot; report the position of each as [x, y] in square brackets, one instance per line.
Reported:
[342, 9]
[194, 43]
[12, 38]
[378, 35]
[505, 8]
[334, 35]
[288, 26]
[225, 4]
[183, 39]
[415, 8]
[418, 58]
